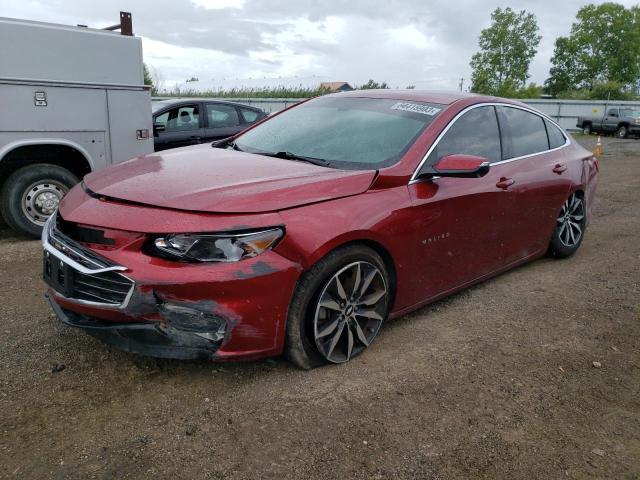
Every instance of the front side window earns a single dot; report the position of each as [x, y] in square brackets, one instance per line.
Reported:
[222, 116]
[347, 132]
[474, 133]
[180, 118]
[526, 131]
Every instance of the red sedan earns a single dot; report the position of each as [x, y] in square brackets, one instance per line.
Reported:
[305, 233]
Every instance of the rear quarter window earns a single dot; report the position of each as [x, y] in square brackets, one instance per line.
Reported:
[526, 131]
[556, 137]
[249, 116]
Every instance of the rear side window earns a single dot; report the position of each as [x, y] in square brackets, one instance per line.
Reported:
[250, 116]
[526, 131]
[556, 137]
[220, 115]
[474, 133]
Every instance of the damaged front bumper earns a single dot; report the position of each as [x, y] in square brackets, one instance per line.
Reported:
[155, 307]
[152, 339]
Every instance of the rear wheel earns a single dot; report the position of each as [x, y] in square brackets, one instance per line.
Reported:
[622, 132]
[570, 227]
[586, 129]
[32, 193]
[338, 307]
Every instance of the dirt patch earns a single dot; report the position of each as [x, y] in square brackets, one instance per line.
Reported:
[495, 382]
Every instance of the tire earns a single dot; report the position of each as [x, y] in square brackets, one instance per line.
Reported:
[307, 343]
[31, 193]
[570, 227]
[622, 132]
[586, 129]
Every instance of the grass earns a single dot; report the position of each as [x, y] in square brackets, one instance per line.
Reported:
[271, 92]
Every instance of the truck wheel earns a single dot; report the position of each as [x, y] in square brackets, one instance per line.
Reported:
[586, 129]
[32, 193]
[622, 131]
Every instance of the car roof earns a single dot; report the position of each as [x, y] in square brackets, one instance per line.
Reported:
[427, 96]
[159, 104]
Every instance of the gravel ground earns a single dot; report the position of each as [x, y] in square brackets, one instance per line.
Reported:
[496, 382]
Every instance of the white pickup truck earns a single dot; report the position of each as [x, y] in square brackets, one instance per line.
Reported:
[73, 100]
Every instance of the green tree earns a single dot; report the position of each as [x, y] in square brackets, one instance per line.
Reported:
[563, 75]
[147, 76]
[530, 91]
[372, 85]
[506, 49]
[604, 46]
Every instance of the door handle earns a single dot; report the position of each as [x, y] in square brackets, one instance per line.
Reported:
[505, 183]
[194, 137]
[559, 168]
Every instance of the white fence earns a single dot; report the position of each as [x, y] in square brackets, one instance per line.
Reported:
[565, 112]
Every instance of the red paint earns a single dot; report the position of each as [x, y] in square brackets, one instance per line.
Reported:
[224, 181]
[460, 162]
[442, 235]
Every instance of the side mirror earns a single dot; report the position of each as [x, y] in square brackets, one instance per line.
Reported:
[613, 114]
[458, 165]
[158, 127]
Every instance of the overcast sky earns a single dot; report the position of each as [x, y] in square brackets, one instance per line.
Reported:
[424, 42]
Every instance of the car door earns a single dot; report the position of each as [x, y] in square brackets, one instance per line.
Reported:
[538, 184]
[180, 126]
[610, 121]
[221, 121]
[460, 222]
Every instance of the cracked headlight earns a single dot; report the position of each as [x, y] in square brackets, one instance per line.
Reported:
[216, 247]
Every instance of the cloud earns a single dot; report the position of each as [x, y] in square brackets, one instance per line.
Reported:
[399, 41]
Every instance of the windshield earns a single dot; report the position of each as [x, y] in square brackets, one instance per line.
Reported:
[344, 132]
[630, 112]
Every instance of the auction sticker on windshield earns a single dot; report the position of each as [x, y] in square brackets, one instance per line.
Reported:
[416, 108]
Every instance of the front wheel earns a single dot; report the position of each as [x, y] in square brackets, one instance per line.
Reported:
[570, 227]
[32, 193]
[338, 307]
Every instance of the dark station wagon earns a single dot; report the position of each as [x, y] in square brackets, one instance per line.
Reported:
[178, 123]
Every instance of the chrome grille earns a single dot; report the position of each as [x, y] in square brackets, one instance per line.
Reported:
[107, 287]
[92, 278]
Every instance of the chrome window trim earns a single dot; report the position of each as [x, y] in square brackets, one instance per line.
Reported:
[414, 177]
[47, 232]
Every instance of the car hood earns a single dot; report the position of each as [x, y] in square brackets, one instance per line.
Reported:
[208, 179]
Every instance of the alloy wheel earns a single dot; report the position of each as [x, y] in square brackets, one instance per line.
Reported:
[570, 223]
[41, 199]
[350, 311]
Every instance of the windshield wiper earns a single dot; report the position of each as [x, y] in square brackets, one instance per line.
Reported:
[226, 143]
[301, 158]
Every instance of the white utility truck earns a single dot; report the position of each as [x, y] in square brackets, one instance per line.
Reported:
[72, 100]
